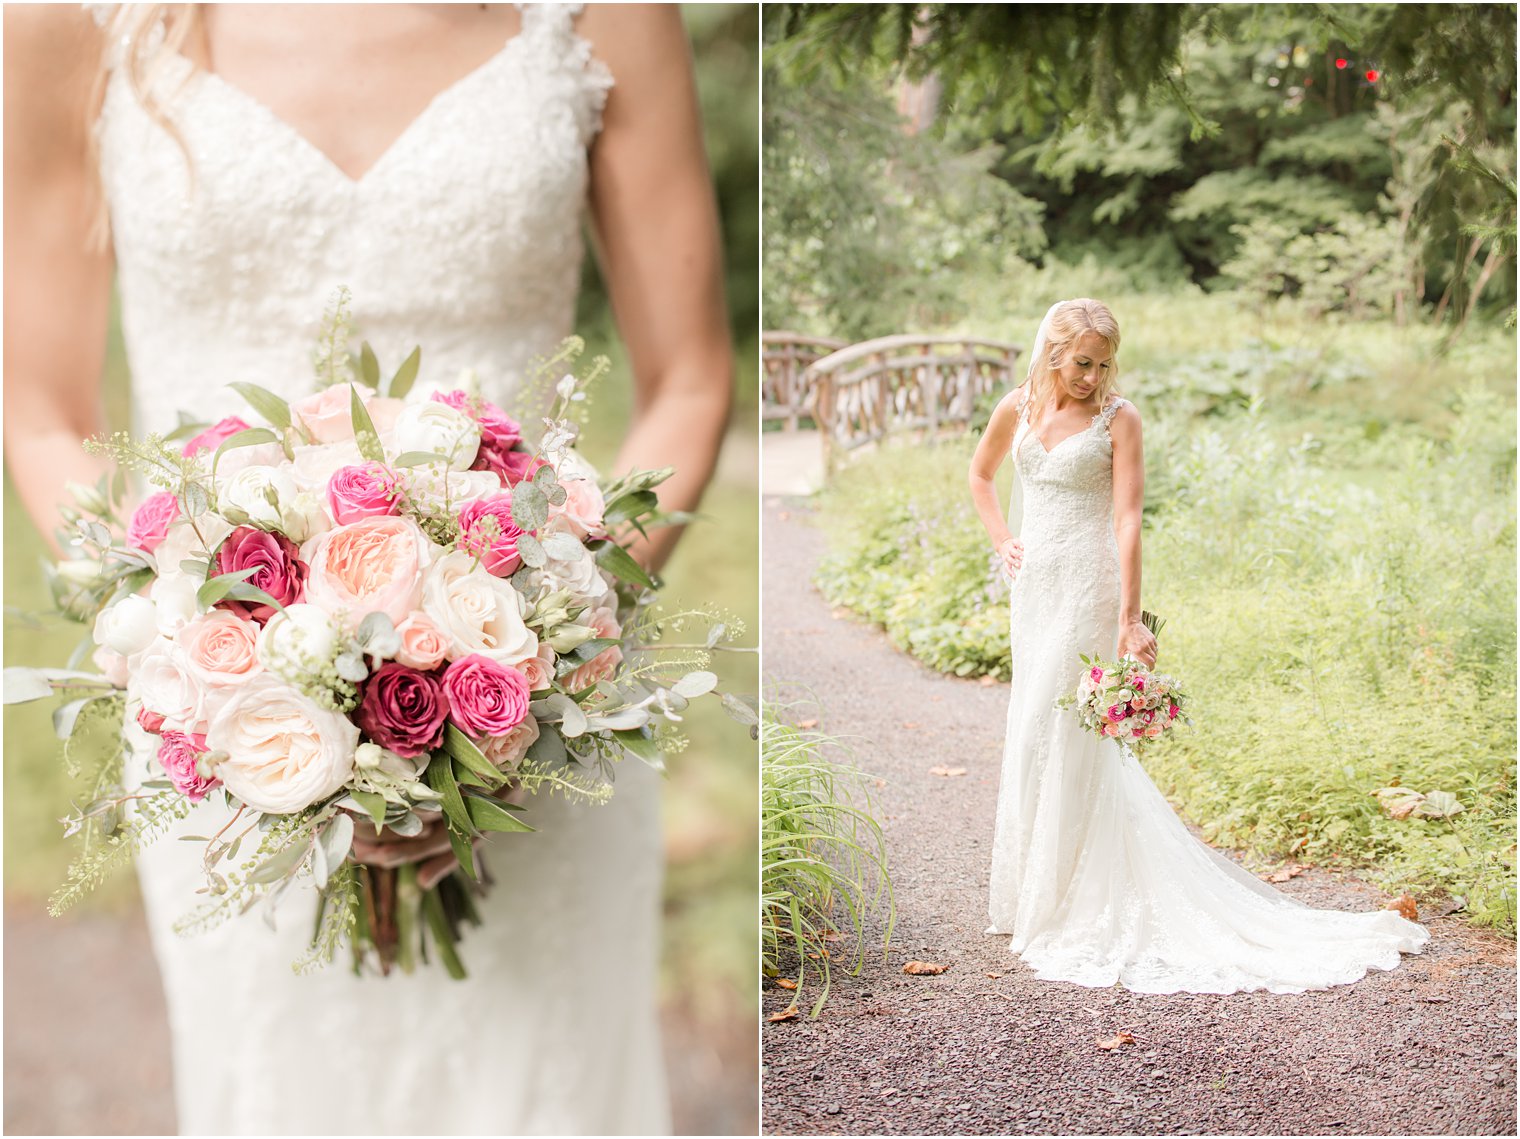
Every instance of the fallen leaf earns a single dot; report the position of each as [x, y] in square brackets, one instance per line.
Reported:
[819, 956]
[880, 783]
[833, 935]
[1286, 871]
[807, 724]
[1398, 802]
[947, 772]
[889, 1091]
[909, 725]
[1111, 1042]
[784, 1014]
[1406, 907]
[924, 968]
[988, 681]
[786, 983]
[993, 976]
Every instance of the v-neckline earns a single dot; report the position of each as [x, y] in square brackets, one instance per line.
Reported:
[1075, 434]
[352, 181]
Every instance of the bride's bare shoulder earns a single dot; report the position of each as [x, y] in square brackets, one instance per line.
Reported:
[634, 39]
[52, 57]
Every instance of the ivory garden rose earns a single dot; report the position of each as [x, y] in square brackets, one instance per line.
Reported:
[221, 649]
[372, 566]
[284, 751]
[478, 612]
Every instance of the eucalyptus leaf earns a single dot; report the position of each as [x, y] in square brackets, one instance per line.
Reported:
[281, 864]
[67, 715]
[371, 804]
[265, 402]
[548, 750]
[406, 375]
[407, 826]
[740, 709]
[24, 684]
[366, 438]
[530, 508]
[573, 720]
[560, 546]
[531, 551]
[319, 865]
[716, 634]
[369, 367]
[695, 684]
[195, 501]
[338, 838]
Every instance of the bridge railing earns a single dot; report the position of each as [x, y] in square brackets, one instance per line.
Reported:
[904, 384]
[786, 356]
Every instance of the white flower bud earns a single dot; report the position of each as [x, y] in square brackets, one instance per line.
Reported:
[441, 429]
[127, 627]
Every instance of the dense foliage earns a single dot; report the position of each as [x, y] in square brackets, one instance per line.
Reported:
[1335, 154]
[1330, 534]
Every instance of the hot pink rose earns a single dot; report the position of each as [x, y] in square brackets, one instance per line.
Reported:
[215, 435]
[370, 490]
[423, 644]
[485, 698]
[496, 550]
[402, 709]
[1139, 683]
[178, 755]
[279, 570]
[149, 721]
[519, 465]
[327, 415]
[219, 648]
[1097, 675]
[150, 521]
[605, 663]
[1172, 711]
[373, 565]
[1118, 712]
[581, 512]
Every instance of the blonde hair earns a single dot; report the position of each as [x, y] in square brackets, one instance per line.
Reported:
[1069, 321]
[144, 55]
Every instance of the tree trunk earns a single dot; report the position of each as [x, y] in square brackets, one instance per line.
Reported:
[1456, 279]
[1491, 263]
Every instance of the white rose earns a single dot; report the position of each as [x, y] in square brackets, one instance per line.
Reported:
[285, 752]
[314, 465]
[478, 612]
[173, 599]
[258, 455]
[437, 427]
[127, 627]
[167, 687]
[182, 544]
[578, 574]
[467, 381]
[266, 495]
[426, 487]
[300, 639]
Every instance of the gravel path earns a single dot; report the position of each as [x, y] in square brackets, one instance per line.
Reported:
[986, 1049]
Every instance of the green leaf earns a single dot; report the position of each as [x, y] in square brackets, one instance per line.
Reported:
[740, 710]
[463, 850]
[530, 508]
[366, 438]
[67, 715]
[631, 505]
[281, 864]
[265, 402]
[23, 684]
[695, 684]
[443, 934]
[373, 804]
[440, 777]
[463, 749]
[549, 749]
[247, 438]
[218, 587]
[489, 815]
[638, 743]
[419, 459]
[620, 564]
[584, 652]
[406, 375]
[369, 367]
[242, 591]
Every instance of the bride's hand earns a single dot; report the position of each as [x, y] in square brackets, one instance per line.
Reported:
[1011, 554]
[1135, 640]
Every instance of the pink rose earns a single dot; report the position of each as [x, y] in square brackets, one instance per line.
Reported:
[178, 754]
[485, 698]
[327, 416]
[149, 721]
[605, 664]
[373, 565]
[1097, 675]
[507, 751]
[1172, 711]
[423, 644]
[370, 490]
[519, 465]
[215, 435]
[1139, 683]
[581, 513]
[538, 669]
[1118, 712]
[494, 544]
[402, 709]
[219, 648]
[1137, 703]
[1138, 732]
[1148, 717]
[1110, 729]
[150, 521]
[499, 433]
[279, 570]
[1153, 731]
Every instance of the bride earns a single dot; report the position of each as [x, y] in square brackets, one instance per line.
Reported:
[1093, 874]
[437, 160]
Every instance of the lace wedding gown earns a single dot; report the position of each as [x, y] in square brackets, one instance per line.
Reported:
[465, 238]
[1093, 873]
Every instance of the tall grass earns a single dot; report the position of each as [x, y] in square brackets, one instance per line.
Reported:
[823, 859]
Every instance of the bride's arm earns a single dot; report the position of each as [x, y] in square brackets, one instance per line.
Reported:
[1129, 496]
[991, 450]
[57, 296]
[656, 232]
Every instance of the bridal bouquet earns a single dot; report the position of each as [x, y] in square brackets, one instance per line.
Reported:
[376, 611]
[1122, 700]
